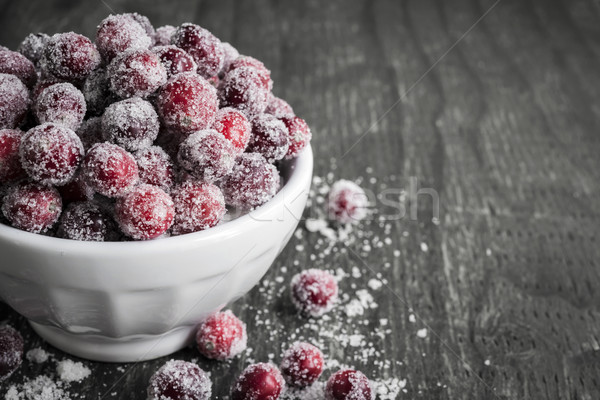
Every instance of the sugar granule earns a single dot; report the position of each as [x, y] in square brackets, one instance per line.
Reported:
[422, 333]
[71, 371]
[37, 355]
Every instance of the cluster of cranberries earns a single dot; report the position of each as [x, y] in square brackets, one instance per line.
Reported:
[142, 133]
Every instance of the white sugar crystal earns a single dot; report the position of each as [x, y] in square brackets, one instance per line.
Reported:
[71, 371]
[37, 355]
[422, 333]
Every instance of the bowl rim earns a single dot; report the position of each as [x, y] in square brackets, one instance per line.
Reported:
[300, 171]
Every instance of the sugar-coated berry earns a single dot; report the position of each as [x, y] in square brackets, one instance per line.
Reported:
[14, 63]
[251, 183]
[234, 125]
[144, 22]
[146, 212]
[85, 221]
[207, 155]
[203, 46]
[155, 167]
[32, 207]
[269, 137]
[11, 351]
[198, 206]
[179, 380]
[131, 123]
[136, 73]
[110, 170]
[187, 103]
[70, 56]
[10, 163]
[259, 67]
[51, 153]
[14, 101]
[300, 135]
[242, 88]
[302, 364]
[33, 45]
[347, 202]
[76, 190]
[261, 381]
[231, 54]
[175, 60]
[61, 103]
[97, 93]
[163, 35]
[90, 132]
[348, 384]
[279, 107]
[118, 33]
[314, 292]
[221, 336]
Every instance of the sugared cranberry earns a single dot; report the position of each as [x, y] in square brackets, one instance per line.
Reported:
[85, 221]
[14, 101]
[110, 170]
[198, 206]
[144, 22]
[234, 125]
[260, 381]
[90, 132]
[163, 34]
[33, 45]
[10, 163]
[251, 183]
[76, 190]
[203, 46]
[279, 107]
[70, 56]
[243, 89]
[51, 153]
[231, 54]
[11, 351]
[302, 364]
[348, 384]
[207, 155]
[155, 167]
[61, 103]
[179, 380]
[314, 292]
[300, 135]
[269, 137]
[221, 336]
[187, 103]
[118, 33]
[251, 62]
[18, 65]
[97, 93]
[132, 124]
[136, 73]
[347, 202]
[41, 85]
[146, 212]
[175, 60]
[32, 207]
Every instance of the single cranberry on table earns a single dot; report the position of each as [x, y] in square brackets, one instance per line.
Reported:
[136, 73]
[163, 34]
[32, 207]
[198, 206]
[234, 125]
[243, 88]
[10, 162]
[14, 101]
[33, 45]
[70, 56]
[146, 212]
[11, 351]
[155, 167]
[279, 107]
[347, 202]
[61, 103]
[110, 170]
[118, 33]
[131, 123]
[179, 380]
[314, 292]
[269, 138]
[348, 384]
[221, 336]
[251, 183]
[299, 135]
[203, 46]
[260, 381]
[259, 67]
[302, 364]
[207, 155]
[18, 65]
[86, 221]
[175, 60]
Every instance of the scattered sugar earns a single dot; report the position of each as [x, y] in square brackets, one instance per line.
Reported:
[375, 284]
[422, 333]
[37, 355]
[424, 247]
[39, 388]
[412, 319]
[71, 371]
[487, 362]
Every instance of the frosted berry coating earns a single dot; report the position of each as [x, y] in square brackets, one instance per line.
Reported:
[61, 103]
[85, 221]
[234, 125]
[33, 45]
[163, 34]
[144, 22]
[14, 101]
[132, 124]
[299, 135]
[32, 207]
[207, 155]
[279, 107]
[118, 33]
[231, 54]
[179, 380]
[10, 162]
[198, 206]
[269, 138]
[109, 170]
[70, 56]
[314, 292]
[259, 67]
[155, 167]
[146, 212]
[260, 381]
[242, 88]
[136, 73]
[203, 46]
[11, 351]
[18, 65]
[302, 364]
[348, 384]
[251, 183]
[347, 202]
[221, 336]
[175, 60]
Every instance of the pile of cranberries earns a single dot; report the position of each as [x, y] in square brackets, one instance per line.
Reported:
[139, 134]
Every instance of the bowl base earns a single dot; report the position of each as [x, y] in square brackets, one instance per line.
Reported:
[128, 349]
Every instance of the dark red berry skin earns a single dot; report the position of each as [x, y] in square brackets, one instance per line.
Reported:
[76, 190]
[11, 351]
[251, 183]
[32, 207]
[175, 60]
[18, 65]
[118, 33]
[179, 380]
[131, 123]
[10, 163]
[243, 88]
[70, 56]
[302, 364]
[221, 336]
[61, 103]
[146, 212]
[299, 135]
[279, 108]
[314, 291]
[155, 167]
[136, 73]
[198, 206]
[203, 46]
[269, 137]
[14, 101]
[260, 381]
[348, 384]
[85, 221]
[263, 72]
[110, 170]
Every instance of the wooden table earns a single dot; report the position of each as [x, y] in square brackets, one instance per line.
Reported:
[490, 106]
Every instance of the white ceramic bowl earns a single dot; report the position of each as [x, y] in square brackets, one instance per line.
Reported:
[129, 301]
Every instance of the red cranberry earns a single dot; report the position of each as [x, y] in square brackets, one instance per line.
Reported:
[144, 22]
[347, 202]
[96, 90]
[146, 212]
[90, 132]
[70, 56]
[299, 135]
[207, 155]
[260, 381]
[11, 351]
[136, 73]
[348, 384]
[243, 89]
[18, 65]
[14, 101]
[231, 54]
[203, 46]
[175, 60]
[110, 170]
[76, 190]
[33, 45]
[10, 164]
[118, 33]
[180, 380]
[251, 183]
[155, 167]
[187, 103]
[234, 125]
[269, 137]
[85, 221]
[221, 336]
[302, 364]
[198, 206]
[279, 108]
[163, 35]
[51, 153]
[41, 85]
[32, 207]
[259, 67]
[61, 103]
[314, 292]
[132, 124]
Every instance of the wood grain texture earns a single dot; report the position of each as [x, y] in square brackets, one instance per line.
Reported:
[502, 123]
